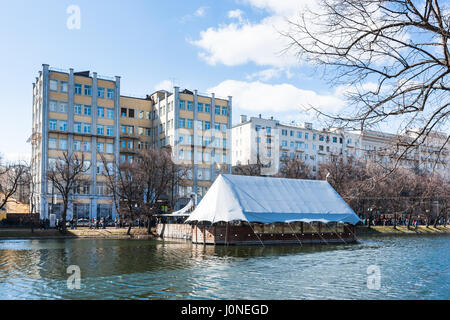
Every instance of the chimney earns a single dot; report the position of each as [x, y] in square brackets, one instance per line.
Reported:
[308, 125]
[243, 118]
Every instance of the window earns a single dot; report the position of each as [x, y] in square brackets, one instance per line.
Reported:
[207, 107]
[87, 90]
[53, 106]
[224, 128]
[269, 153]
[299, 134]
[64, 86]
[217, 126]
[100, 130]
[224, 143]
[77, 88]
[87, 146]
[217, 110]
[62, 125]
[99, 171]
[77, 127]
[190, 124]
[207, 175]
[110, 148]
[77, 145]
[123, 158]
[269, 130]
[63, 107]
[190, 139]
[292, 144]
[63, 144]
[284, 132]
[207, 125]
[52, 143]
[200, 107]
[130, 144]
[101, 112]
[306, 135]
[130, 113]
[100, 146]
[101, 92]
[182, 123]
[292, 133]
[182, 105]
[284, 143]
[189, 105]
[334, 139]
[87, 128]
[123, 144]
[321, 138]
[181, 155]
[141, 114]
[123, 112]
[87, 110]
[257, 128]
[110, 93]
[110, 113]
[77, 108]
[200, 125]
[53, 85]
[224, 111]
[52, 124]
[109, 131]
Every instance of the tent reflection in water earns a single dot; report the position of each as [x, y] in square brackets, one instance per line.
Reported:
[261, 210]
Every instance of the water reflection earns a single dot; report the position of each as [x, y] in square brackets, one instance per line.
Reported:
[143, 269]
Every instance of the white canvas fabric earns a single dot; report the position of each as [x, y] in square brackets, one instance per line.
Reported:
[268, 200]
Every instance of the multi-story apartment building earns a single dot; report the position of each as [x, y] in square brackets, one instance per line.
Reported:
[270, 142]
[85, 113]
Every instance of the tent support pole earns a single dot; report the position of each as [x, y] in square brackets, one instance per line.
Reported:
[226, 234]
[255, 234]
[293, 231]
[320, 234]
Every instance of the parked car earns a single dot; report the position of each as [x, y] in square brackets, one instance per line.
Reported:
[82, 222]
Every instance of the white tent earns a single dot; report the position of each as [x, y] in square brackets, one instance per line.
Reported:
[267, 200]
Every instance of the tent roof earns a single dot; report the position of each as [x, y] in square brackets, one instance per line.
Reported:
[267, 200]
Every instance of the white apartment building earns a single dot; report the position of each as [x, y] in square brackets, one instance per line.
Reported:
[270, 141]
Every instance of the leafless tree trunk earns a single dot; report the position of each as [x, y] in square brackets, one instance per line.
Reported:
[12, 177]
[65, 174]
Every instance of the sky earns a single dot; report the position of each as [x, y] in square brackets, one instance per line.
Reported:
[229, 47]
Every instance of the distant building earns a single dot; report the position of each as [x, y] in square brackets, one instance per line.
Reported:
[84, 112]
[270, 142]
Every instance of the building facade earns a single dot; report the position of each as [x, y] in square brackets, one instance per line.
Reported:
[269, 142]
[84, 113]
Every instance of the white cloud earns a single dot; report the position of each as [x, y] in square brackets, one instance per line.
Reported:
[275, 99]
[236, 14]
[164, 85]
[242, 42]
[200, 12]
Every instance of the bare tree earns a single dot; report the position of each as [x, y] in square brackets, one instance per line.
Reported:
[12, 177]
[124, 184]
[392, 55]
[160, 175]
[295, 169]
[64, 175]
[248, 169]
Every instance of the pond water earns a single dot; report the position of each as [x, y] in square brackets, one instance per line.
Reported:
[412, 267]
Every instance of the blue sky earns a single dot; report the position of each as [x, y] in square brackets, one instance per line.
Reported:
[230, 47]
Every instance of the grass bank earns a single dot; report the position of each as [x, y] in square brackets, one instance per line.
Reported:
[108, 233]
[401, 230]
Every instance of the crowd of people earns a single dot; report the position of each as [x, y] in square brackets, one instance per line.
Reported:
[402, 221]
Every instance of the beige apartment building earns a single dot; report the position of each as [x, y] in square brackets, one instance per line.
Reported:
[85, 113]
